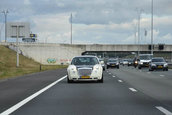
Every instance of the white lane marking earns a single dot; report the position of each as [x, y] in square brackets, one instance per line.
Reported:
[162, 75]
[110, 73]
[21, 103]
[114, 76]
[165, 111]
[148, 72]
[120, 81]
[133, 90]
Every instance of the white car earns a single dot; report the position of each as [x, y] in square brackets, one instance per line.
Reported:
[85, 68]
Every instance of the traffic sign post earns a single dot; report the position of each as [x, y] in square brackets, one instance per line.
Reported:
[18, 30]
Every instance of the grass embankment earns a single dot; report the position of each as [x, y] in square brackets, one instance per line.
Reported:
[8, 64]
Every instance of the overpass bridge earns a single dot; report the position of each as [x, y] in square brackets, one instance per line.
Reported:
[49, 53]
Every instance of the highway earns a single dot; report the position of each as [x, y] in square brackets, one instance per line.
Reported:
[125, 91]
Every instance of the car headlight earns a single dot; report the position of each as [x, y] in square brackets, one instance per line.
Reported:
[141, 63]
[153, 64]
[165, 65]
[117, 63]
[108, 63]
[72, 69]
[96, 67]
[136, 62]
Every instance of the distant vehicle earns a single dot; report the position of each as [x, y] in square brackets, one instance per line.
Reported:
[144, 60]
[125, 62]
[158, 63]
[102, 63]
[85, 68]
[130, 62]
[113, 63]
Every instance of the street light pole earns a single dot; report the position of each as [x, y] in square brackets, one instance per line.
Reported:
[139, 13]
[152, 30]
[71, 28]
[5, 14]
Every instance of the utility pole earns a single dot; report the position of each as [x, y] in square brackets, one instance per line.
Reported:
[71, 28]
[152, 30]
[139, 15]
[5, 14]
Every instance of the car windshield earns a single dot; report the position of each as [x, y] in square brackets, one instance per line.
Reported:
[130, 60]
[84, 61]
[112, 60]
[158, 60]
[145, 57]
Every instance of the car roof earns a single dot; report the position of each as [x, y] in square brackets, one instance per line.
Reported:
[86, 56]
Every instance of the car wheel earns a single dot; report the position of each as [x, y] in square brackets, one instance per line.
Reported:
[69, 81]
[139, 67]
[167, 69]
[107, 67]
[101, 81]
[150, 69]
[118, 67]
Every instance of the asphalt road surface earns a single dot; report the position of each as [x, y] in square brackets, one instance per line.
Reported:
[125, 91]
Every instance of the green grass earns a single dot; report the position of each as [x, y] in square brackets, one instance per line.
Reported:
[8, 64]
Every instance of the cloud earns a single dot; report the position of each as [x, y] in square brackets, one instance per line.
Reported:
[94, 21]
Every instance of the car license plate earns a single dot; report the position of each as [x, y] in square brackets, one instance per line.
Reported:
[85, 77]
[159, 66]
[113, 65]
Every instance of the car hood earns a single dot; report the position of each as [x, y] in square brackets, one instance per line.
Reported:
[145, 60]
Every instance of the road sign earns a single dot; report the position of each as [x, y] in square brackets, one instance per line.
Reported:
[33, 35]
[23, 29]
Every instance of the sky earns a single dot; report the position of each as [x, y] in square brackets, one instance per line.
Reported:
[94, 21]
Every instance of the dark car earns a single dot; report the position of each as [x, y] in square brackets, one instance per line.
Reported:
[113, 63]
[158, 63]
[130, 62]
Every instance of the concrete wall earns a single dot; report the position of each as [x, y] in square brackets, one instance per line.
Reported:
[51, 53]
[63, 53]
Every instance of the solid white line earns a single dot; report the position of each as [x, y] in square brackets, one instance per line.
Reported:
[133, 90]
[21, 103]
[120, 81]
[109, 73]
[114, 76]
[165, 111]
[148, 72]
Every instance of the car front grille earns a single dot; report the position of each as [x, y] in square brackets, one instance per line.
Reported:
[84, 71]
[145, 63]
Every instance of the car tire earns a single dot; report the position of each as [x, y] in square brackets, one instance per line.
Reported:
[139, 67]
[167, 69]
[101, 80]
[118, 67]
[69, 81]
[107, 67]
[150, 69]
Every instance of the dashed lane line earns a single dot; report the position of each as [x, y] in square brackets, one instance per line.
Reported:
[113, 76]
[133, 90]
[120, 81]
[162, 75]
[21, 103]
[165, 111]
